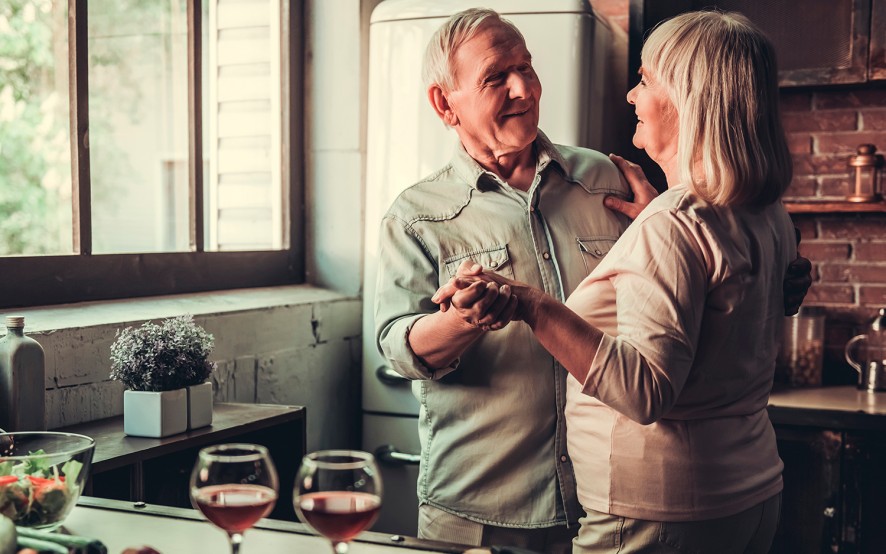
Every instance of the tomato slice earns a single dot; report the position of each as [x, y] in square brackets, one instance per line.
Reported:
[7, 480]
[41, 481]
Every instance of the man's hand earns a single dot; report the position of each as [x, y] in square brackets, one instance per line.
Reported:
[644, 193]
[797, 281]
[477, 298]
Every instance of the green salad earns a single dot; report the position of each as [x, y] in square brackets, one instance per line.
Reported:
[35, 493]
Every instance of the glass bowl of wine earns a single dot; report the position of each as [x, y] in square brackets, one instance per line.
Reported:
[234, 486]
[338, 494]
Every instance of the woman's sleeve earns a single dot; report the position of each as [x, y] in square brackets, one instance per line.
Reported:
[661, 278]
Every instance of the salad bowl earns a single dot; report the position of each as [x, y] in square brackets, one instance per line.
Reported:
[42, 474]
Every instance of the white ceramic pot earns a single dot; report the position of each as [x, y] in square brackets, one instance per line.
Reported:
[199, 405]
[155, 414]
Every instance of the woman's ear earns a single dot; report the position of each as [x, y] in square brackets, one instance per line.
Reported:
[440, 103]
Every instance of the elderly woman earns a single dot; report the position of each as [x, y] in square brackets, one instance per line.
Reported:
[671, 341]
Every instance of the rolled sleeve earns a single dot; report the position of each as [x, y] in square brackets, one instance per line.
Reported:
[406, 283]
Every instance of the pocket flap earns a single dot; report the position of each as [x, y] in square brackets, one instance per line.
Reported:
[595, 247]
[494, 258]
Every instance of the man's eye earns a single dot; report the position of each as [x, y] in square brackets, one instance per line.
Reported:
[525, 68]
[495, 78]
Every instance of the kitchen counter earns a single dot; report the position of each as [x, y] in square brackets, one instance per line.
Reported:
[121, 525]
[844, 407]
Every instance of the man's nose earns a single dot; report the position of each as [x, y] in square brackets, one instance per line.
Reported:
[519, 84]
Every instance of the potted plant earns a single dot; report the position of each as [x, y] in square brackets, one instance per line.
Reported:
[165, 369]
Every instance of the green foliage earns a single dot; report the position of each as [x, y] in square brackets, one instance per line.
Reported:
[33, 127]
[162, 357]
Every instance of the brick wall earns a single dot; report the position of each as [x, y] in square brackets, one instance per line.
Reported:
[848, 250]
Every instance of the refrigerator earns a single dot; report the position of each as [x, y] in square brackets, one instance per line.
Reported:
[575, 53]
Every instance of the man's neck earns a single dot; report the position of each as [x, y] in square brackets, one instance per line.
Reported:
[517, 169]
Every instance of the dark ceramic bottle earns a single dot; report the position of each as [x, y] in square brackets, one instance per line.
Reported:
[22, 374]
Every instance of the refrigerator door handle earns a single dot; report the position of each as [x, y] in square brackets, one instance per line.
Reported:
[388, 376]
[388, 454]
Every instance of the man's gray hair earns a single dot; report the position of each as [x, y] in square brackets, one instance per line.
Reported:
[458, 29]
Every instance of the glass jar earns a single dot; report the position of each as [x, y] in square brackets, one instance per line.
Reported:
[799, 362]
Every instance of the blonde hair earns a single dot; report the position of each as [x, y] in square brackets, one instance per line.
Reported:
[719, 70]
[458, 29]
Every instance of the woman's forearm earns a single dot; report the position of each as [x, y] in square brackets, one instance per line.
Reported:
[569, 338]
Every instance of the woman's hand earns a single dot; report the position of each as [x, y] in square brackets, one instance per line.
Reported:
[644, 192]
[484, 300]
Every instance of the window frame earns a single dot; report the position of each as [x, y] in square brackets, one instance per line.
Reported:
[84, 276]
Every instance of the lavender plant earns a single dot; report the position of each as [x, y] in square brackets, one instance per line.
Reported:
[162, 357]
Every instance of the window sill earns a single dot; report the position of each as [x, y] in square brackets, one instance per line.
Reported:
[46, 319]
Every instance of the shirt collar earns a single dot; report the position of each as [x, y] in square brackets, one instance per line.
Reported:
[476, 176]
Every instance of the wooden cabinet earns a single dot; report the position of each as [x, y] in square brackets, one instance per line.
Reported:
[156, 471]
[834, 498]
[818, 41]
[833, 444]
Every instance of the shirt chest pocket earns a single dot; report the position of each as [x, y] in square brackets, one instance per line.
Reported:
[593, 249]
[493, 258]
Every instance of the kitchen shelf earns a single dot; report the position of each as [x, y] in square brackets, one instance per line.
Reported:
[828, 207]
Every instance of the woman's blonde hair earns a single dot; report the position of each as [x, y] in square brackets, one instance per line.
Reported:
[458, 29]
[720, 72]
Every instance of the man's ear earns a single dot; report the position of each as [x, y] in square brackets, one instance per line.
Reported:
[440, 103]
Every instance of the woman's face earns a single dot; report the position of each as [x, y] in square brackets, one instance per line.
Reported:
[656, 131]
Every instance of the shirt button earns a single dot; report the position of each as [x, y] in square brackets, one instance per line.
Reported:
[546, 256]
[563, 458]
[493, 265]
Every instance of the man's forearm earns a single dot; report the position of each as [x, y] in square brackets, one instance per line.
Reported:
[438, 339]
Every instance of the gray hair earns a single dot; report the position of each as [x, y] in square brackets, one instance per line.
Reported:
[720, 72]
[458, 29]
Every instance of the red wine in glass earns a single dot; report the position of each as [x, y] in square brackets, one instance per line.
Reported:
[338, 494]
[339, 516]
[235, 508]
[233, 486]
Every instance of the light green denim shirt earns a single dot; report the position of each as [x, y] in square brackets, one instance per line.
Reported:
[491, 426]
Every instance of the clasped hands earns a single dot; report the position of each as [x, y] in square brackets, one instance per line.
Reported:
[481, 298]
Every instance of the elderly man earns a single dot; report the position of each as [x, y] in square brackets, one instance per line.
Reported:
[494, 468]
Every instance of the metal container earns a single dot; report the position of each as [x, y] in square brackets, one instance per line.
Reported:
[871, 367]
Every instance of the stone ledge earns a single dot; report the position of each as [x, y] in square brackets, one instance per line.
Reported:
[47, 319]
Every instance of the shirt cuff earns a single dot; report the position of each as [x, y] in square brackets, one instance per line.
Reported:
[395, 347]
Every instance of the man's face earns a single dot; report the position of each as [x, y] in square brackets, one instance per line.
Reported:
[496, 96]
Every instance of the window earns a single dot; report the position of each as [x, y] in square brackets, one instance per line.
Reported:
[148, 147]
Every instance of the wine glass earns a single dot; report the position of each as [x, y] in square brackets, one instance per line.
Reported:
[338, 494]
[234, 485]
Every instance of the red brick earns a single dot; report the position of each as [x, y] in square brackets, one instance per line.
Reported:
[824, 251]
[872, 295]
[793, 101]
[830, 99]
[874, 120]
[846, 142]
[837, 186]
[870, 252]
[821, 164]
[806, 226]
[799, 143]
[853, 227]
[853, 273]
[828, 120]
[801, 187]
[830, 294]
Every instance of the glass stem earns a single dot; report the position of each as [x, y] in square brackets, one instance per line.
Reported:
[236, 541]
[340, 547]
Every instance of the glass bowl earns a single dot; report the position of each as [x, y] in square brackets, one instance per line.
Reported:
[42, 474]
